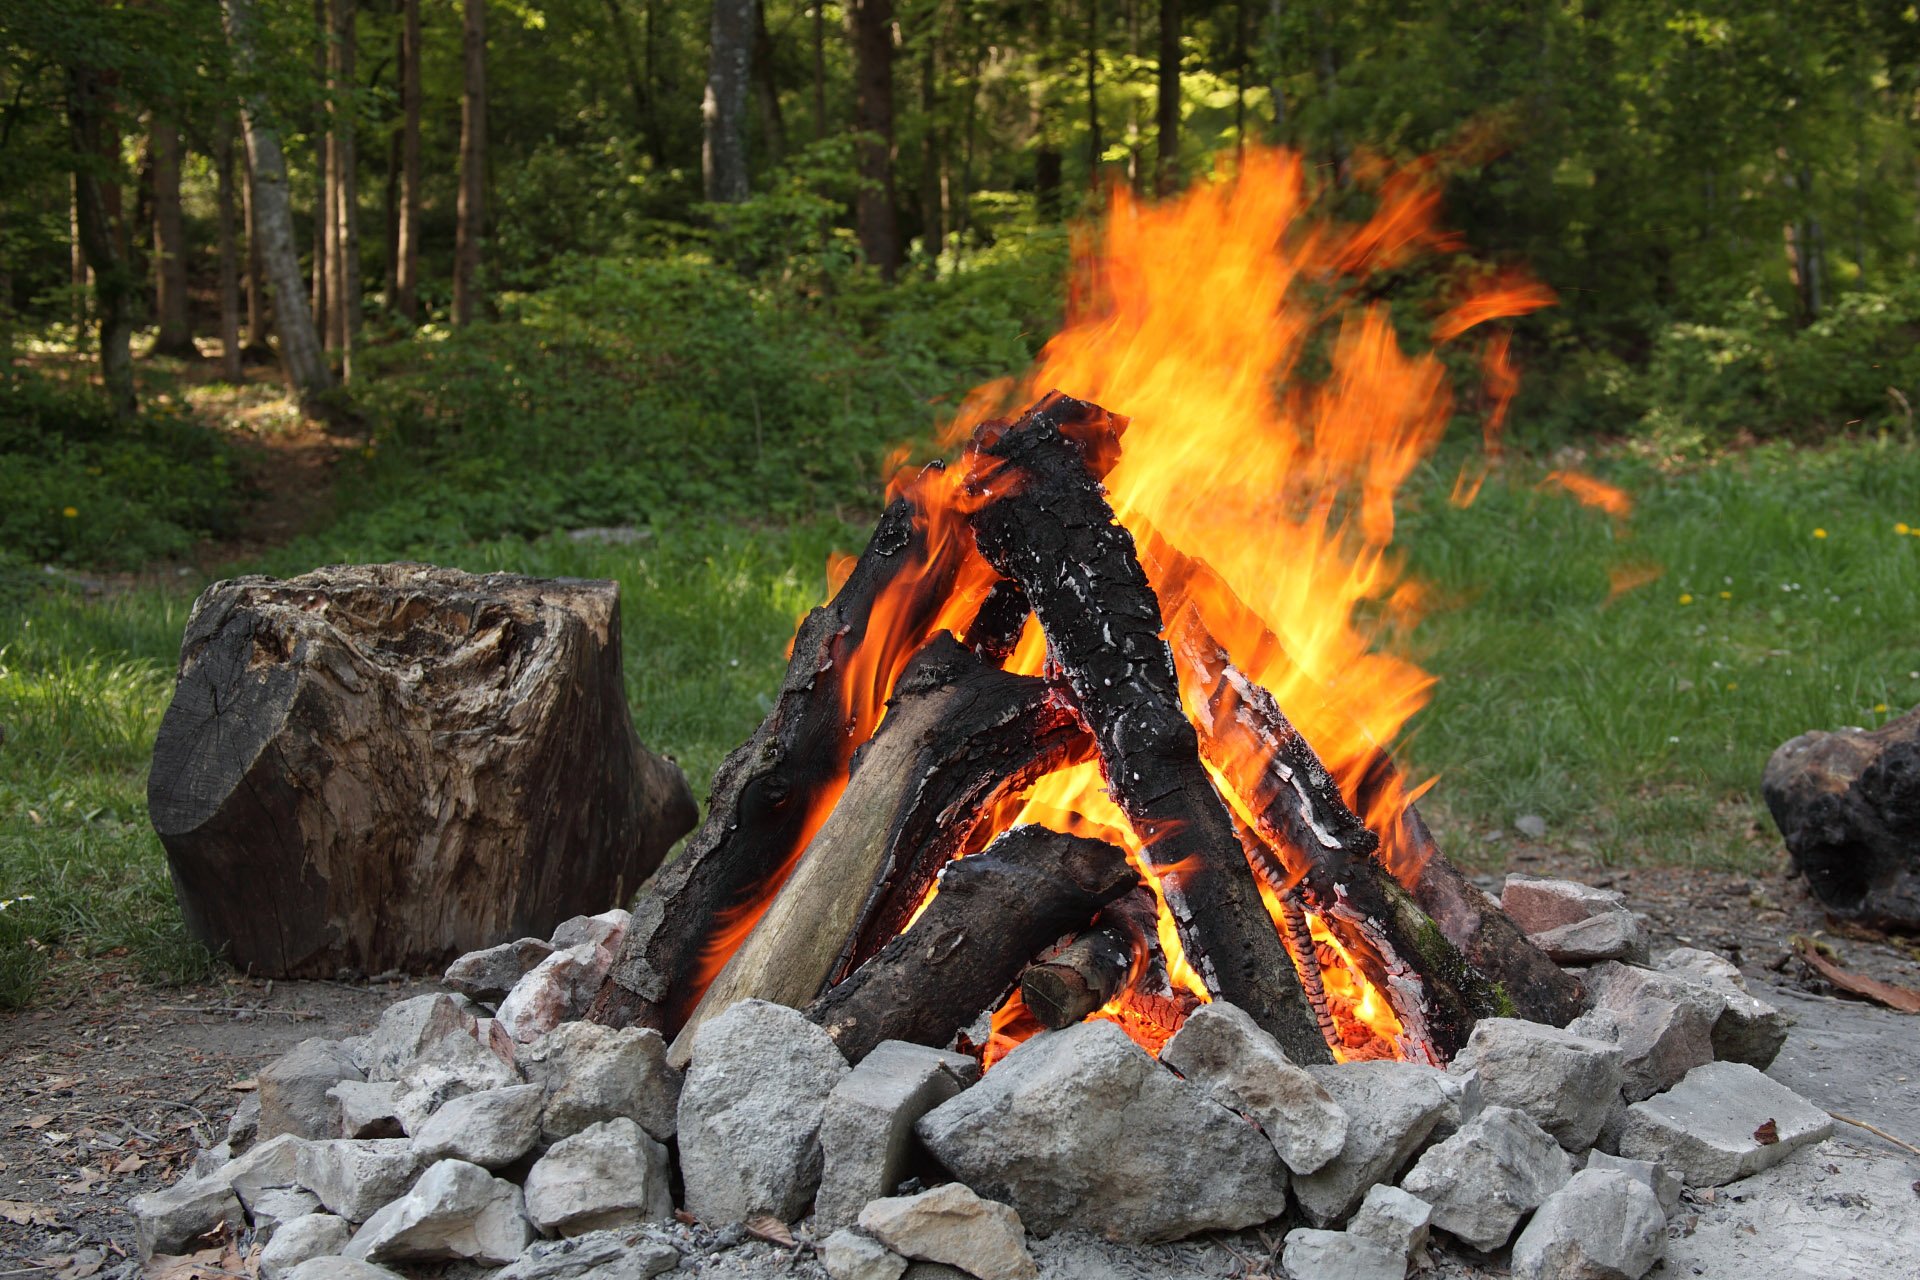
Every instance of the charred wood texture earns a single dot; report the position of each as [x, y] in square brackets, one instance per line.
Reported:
[957, 734]
[996, 628]
[381, 767]
[995, 911]
[1044, 522]
[1848, 804]
[1064, 988]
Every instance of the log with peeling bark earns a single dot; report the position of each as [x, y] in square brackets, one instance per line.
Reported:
[1064, 988]
[957, 735]
[1043, 521]
[380, 767]
[768, 795]
[995, 911]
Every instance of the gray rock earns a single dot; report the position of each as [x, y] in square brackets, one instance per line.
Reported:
[867, 1126]
[334, 1268]
[1663, 1026]
[492, 1128]
[294, 1090]
[1391, 1108]
[367, 1108]
[273, 1209]
[266, 1166]
[1696, 965]
[1665, 1184]
[488, 975]
[608, 1175]
[1603, 1225]
[1565, 1082]
[1747, 1029]
[317, 1235]
[1610, 935]
[1080, 1128]
[1531, 825]
[951, 1224]
[166, 1221]
[243, 1126]
[597, 1255]
[1538, 905]
[1396, 1220]
[451, 1067]
[210, 1160]
[355, 1177]
[1465, 1100]
[850, 1255]
[750, 1110]
[608, 929]
[594, 1073]
[1485, 1178]
[1705, 1127]
[1224, 1051]
[407, 1029]
[456, 1210]
[557, 990]
[1339, 1255]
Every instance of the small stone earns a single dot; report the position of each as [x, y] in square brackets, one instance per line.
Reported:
[355, 1177]
[1485, 1178]
[492, 1128]
[1665, 1184]
[1394, 1219]
[456, 1210]
[867, 1126]
[266, 1166]
[594, 1073]
[455, 1065]
[597, 1255]
[317, 1235]
[608, 1175]
[1696, 965]
[1224, 1051]
[1611, 935]
[294, 1090]
[210, 1160]
[334, 1268]
[244, 1125]
[1603, 1225]
[608, 929]
[1391, 1107]
[1081, 1128]
[1705, 1128]
[367, 1108]
[167, 1221]
[1565, 1082]
[951, 1224]
[851, 1255]
[1339, 1255]
[750, 1111]
[272, 1210]
[408, 1029]
[1663, 1025]
[1746, 1028]
[488, 975]
[557, 990]
[1531, 825]
[1537, 904]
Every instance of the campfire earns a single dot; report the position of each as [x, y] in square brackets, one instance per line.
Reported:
[1098, 724]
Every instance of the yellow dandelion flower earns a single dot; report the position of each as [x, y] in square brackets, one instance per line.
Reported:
[1726, 595]
[1900, 526]
[1732, 685]
[1880, 708]
[1819, 533]
[70, 512]
[1686, 599]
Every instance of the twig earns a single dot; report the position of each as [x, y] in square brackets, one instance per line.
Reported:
[164, 1102]
[1875, 1130]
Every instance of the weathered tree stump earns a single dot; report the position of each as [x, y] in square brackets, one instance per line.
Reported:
[381, 767]
[1848, 804]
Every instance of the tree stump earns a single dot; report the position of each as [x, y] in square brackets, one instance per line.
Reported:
[378, 767]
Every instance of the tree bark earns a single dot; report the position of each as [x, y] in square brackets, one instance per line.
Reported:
[175, 333]
[471, 211]
[300, 352]
[406, 289]
[819, 71]
[258, 323]
[89, 103]
[1093, 94]
[637, 88]
[723, 112]
[230, 363]
[933, 228]
[1076, 981]
[326, 227]
[346, 188]
[1166, 174]
[994, 912]
[767, 93]
[874, 212]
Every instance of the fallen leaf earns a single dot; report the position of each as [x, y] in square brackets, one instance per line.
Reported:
[682, 1216]
[244, 1086]
[764, 1226]
[36, 1122]
[25, 1213]
[132, 1164]
[1892, 995]
[1767, 1134]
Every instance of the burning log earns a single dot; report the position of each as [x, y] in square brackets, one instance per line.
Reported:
[996, 909]
[957, 733]
[1086, 973]
[1044, 523]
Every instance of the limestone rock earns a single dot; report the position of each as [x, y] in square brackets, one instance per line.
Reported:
[367, 1108]
[166, 1221]
[407, 1029]
[355, 1177]
[1394, 1219]
[456, 1210]
[867, 1127]
[1391, 1108]
[556, 990]
[294, 1090]
[273, 1209]
[608, 929]
[489, 974]
[317, 1235]
[594, 1073]
[1711, 1127]
[492, 1128]
[1664, 1027]
[1665, 1184]
[951, 1224]
[1080, 1128]
[1565, 1082]
[1603, 1225]
[1537, 904]
[597, 1255]
[1485, 1178]
[1221, 1049]
[750, 1111]
[457, 1064]
[1339, 1255]
[851, 1255]
[335, 1268]
[608, 1175]
[1610, 935]
[266, 1166]
[1747, 1029]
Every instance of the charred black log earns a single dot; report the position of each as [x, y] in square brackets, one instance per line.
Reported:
[996, 628]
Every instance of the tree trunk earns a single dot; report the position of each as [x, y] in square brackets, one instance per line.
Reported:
[1166, 174]
[230, 366]
[772, 123]
[89, 103]
[1093, 94]
[346, 189]
[257, 319]
[636, 86]
[175, 335]
[300, 352]
[1276, 77]
[406, 289]
[471, 212]
[873, 115]
[380, 767]
[77, 263]
[819, 71]
[324, 226]
[933, 228]
[723, 112]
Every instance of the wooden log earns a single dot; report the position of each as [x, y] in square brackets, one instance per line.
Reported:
[380, 767]
[1043, 521]
[995, 910]
[1064, 988]
[957, 734]
[996, 628]
[774, 790]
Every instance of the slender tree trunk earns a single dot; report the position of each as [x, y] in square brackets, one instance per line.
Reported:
[723, 112]
[114, 286]
[873, 115]
[229, 254]
[656, 138]
[1276, 87]
[1240, 82]
[345, 293]
[636, 86]
[175, 336]
[772, 123]
[471, 212]
[77, 265]
[257, 321]
[933, 225]
[1166, 174]
[1094, 145]
[1135, 176]
[406, 291]
[963, 213]
[300, 352]
[322, 173]
[819, 71]
[390, 220]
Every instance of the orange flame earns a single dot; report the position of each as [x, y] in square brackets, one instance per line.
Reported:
[1591, 492]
